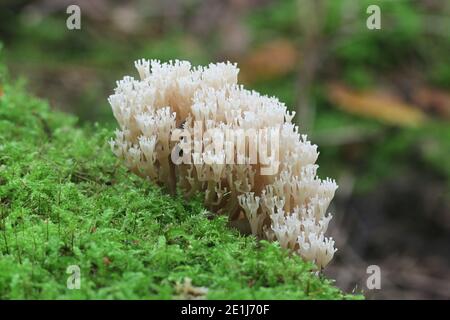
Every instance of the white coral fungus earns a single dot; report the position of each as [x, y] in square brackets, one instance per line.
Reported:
[195, 128]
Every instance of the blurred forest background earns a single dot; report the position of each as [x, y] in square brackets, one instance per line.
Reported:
[377, 102]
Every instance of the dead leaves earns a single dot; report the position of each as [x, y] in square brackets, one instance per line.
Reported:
[187, 291]
[377, 104]
[106, 261]
[273, 59]
[433, 101]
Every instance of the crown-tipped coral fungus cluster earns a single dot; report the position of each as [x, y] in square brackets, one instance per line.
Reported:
[195, 128]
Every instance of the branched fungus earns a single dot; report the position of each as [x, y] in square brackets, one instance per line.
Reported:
[198, 130]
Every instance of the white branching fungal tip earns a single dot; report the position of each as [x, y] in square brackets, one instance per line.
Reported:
[195, 128]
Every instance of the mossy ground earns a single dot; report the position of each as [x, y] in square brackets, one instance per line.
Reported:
[65, 200]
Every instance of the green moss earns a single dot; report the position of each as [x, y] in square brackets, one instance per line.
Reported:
[65, 200]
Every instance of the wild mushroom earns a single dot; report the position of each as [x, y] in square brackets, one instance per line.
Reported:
[197, 129]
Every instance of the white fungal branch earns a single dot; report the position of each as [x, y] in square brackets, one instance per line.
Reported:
[237, 146]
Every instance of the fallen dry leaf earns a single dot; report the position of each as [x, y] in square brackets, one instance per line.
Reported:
[187, 291]
[271, 60]
[106, 261]
[433, 101]
[377, 104]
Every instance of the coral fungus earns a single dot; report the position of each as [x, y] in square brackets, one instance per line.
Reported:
[197, 129]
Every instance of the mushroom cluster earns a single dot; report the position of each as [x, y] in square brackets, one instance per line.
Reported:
[197, 130]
